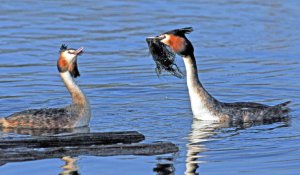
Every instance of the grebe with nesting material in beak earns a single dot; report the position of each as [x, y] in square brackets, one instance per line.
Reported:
[203, 104]
[77, 114]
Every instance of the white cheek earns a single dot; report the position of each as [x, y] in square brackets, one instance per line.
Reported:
[166, 40]
[68, 57]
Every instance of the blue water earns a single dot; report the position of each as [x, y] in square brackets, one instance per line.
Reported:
[246, 51]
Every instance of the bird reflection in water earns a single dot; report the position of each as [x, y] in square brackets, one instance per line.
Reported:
[70, 168]
[203, 131]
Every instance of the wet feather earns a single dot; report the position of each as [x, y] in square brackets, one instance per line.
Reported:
[163, 57]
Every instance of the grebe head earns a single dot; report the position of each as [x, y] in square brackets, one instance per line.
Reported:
[177, 41]
[68, 60]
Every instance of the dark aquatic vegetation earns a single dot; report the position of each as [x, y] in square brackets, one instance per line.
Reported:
[163, 57]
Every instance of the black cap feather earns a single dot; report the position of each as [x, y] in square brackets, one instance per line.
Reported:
[180, 32]
[63, 47]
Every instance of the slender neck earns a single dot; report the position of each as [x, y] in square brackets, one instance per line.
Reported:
[78, 96]
[199, 97]
[192, 72]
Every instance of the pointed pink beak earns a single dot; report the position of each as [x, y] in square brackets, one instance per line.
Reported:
[79, 51]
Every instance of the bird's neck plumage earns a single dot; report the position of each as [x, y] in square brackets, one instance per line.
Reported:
[192, 72]
[78, 97]
[202, 103]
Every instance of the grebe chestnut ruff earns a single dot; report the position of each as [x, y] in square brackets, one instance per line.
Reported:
[204, 105]
[75, 115]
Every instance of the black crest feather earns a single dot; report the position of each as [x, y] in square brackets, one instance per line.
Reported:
[180, 32]
[63, 47]
[163, 57]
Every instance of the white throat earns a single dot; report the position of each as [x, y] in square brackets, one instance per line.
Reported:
[201, 101]
[78, 96]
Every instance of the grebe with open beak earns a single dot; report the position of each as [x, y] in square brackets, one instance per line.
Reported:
[75, 115]
[203, 104]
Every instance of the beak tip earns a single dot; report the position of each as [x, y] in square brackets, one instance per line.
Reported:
[80, 50]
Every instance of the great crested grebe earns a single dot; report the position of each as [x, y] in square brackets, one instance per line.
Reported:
[77, 114]
[204, 105]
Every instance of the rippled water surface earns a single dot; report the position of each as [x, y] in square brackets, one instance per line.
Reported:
[246, 51]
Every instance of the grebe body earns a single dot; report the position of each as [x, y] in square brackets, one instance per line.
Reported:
[203, 104]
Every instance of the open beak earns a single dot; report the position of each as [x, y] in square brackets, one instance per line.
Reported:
[79, 51]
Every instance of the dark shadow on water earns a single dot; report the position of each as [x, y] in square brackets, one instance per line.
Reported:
[70, 167]
[166, 167]
[203, 131]
[163, 166]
